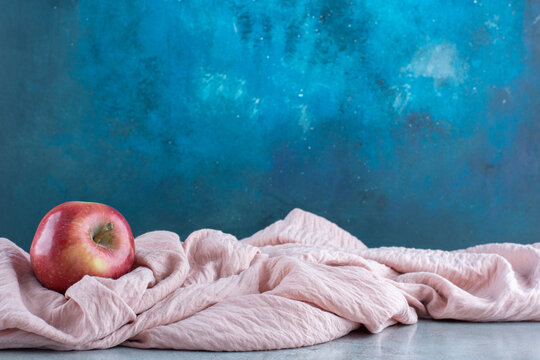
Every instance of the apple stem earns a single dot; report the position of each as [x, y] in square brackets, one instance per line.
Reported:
[101, 235]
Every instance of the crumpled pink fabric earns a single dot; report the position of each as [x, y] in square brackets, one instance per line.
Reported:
[300, 281]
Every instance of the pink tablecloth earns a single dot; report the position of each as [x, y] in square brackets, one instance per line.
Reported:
[301, 281]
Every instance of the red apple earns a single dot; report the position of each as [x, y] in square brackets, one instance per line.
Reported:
[79, 238]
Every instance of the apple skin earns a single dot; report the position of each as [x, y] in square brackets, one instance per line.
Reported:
[79, 238]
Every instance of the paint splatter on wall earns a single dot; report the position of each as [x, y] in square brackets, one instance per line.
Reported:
[407, 124]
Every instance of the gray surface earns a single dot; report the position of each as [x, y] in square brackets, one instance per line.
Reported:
[425, 340]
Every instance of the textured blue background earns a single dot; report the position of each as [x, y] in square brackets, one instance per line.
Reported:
[407, 123]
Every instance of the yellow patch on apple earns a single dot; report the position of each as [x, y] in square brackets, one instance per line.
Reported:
[99, 265]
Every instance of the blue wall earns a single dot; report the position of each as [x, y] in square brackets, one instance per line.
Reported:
[407, 123]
